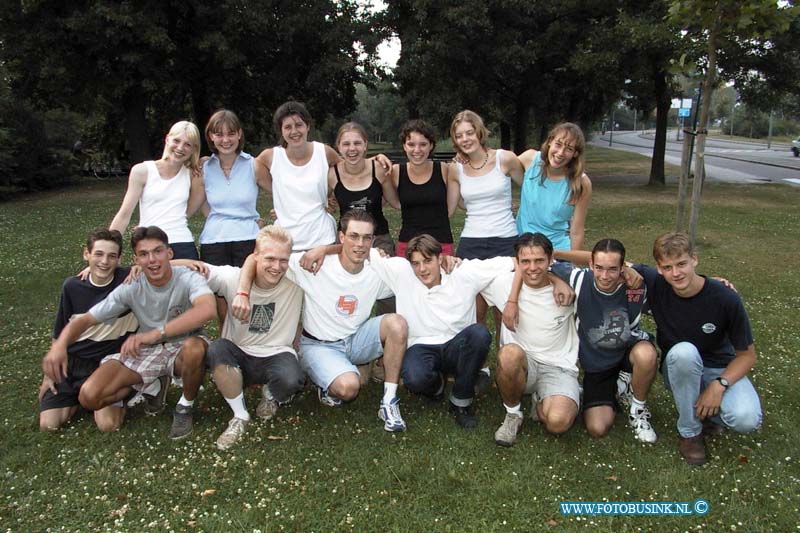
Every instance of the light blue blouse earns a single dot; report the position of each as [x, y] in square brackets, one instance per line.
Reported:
[232, 201]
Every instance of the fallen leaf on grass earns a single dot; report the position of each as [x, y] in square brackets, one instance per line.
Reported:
[208, 492]
[274, 437]
[611, 478]
[552, 522]
[743, 459]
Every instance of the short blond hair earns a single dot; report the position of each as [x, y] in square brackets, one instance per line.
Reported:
[193, 134]
[272, 233]
[672, 244]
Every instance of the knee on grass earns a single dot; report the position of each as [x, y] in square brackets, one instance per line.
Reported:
[557, 421]
[345, 387]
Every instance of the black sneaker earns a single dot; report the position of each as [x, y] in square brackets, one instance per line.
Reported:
[155, 405]
[482, 383]
[465, 417]
[181, 423]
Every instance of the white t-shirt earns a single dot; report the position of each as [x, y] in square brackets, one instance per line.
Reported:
[438, 314]
[300, 196]
[154, 306]
[274, 313]
[336, 302]
[545, 331]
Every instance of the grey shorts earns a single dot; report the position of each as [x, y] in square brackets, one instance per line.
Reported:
[550, 380]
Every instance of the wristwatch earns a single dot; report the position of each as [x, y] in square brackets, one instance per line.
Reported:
[163, 331]
[724, 382]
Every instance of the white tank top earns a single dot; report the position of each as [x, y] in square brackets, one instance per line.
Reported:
[488, 202]
[299, 195]
[163, 203]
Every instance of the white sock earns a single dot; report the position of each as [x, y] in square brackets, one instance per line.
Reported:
[238, 408]
[486, 371]
[184, 402]
[514, 410]
[389, 391]
[636, 405]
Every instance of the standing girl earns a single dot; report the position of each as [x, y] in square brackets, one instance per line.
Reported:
[555, 191]
[231, 179]
[422, 186]
[297, 175]
[359, 183]
[163, 189]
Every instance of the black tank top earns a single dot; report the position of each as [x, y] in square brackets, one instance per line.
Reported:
[424, 207]
[369, 199]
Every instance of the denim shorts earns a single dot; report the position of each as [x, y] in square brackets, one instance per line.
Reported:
[550, 380]
[486, 247]
[324, 361]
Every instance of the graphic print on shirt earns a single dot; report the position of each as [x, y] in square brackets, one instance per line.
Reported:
[174, 312]
[261, 317]
[614, 332]
[636, 295]
[360, 205]
[346, 304]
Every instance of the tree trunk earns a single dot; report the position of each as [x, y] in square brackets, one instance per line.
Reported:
[520, 127]
[505, 135]
[702, 132]
[683, 182]
[663, 103]
[202, 112]
[136, 132]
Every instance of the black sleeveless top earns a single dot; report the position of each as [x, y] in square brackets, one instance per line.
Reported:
[369, 199]
[424, 207]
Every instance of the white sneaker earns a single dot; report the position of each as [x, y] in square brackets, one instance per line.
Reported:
[268, 406]
[233, 434]
[624, 391]
[327, 399]
[640, 423]
[506, 434]
[390, 414]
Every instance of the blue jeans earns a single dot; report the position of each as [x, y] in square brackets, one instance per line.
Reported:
[425, 364]
[686, 377]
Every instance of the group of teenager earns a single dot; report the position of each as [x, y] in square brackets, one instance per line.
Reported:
[123, 334]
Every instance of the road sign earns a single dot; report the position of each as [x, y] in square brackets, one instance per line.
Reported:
[684, 112]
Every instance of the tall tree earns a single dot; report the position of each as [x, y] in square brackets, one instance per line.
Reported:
[715, 22]
[140, 65]
[522, 63]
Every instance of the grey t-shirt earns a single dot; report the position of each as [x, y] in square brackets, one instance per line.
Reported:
[154, 306]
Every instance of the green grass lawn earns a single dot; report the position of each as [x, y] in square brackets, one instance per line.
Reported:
[314, 468]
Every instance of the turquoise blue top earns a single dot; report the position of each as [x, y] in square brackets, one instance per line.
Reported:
[543, 206]
[232, 201]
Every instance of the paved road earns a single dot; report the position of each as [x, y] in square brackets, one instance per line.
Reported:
[731, 161]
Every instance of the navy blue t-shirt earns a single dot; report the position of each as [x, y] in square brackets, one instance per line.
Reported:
[77, 297]
[608, 323]
[714, 319]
